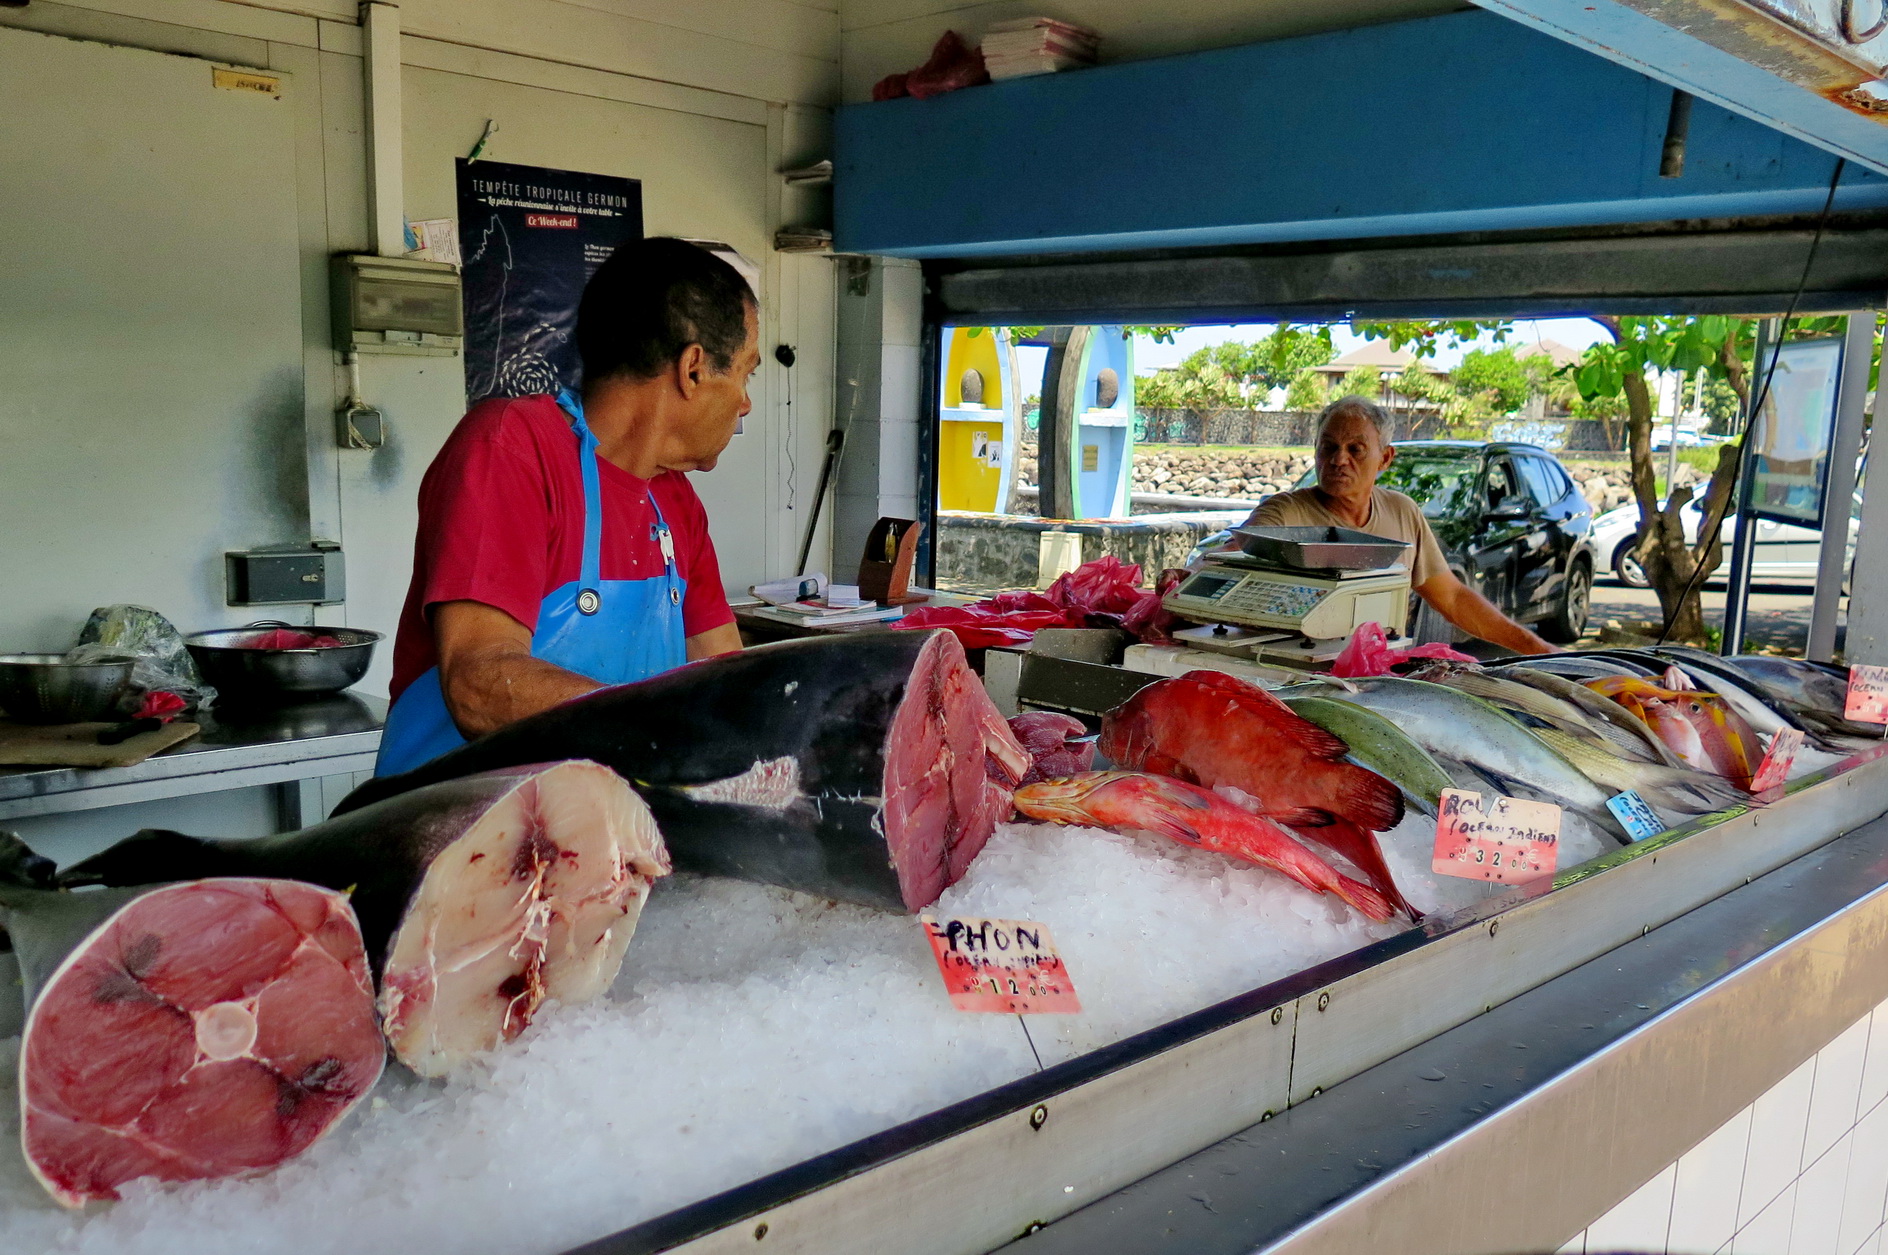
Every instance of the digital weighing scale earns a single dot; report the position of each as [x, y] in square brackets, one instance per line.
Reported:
[1271, 604]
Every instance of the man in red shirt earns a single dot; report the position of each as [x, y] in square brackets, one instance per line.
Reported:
[561, 547]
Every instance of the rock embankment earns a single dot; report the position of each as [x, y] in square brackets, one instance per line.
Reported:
[1251, 474]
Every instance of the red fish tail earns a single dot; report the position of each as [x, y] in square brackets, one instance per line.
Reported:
[1361, 898]
[1360, 847]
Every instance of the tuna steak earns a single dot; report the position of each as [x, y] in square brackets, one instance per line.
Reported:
[479, 898]
[185, 1032]
[869, 768]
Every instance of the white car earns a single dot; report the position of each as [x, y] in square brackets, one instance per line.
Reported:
[1783, 550]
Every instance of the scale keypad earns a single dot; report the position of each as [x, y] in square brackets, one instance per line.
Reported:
[1257, 597]
[1288, 601]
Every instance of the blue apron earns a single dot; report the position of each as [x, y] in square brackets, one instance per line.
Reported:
[613, 631]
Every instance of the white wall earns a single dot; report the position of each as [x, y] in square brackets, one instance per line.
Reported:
[1801, 1171]
[702, 103]
[881, 37]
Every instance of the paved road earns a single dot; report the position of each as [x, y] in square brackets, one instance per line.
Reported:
[1778, 615]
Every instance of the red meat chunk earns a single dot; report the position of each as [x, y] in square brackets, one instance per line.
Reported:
[207, 1029]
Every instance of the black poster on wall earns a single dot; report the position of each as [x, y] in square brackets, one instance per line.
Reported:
[530, 239]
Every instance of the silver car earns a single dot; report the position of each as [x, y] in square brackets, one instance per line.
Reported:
[1783, 551]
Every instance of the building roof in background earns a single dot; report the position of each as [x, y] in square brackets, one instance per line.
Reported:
[1560, 354]
[1376, 353]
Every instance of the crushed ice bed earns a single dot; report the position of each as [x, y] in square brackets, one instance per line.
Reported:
[751, 1029]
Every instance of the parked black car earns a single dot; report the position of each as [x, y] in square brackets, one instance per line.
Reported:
[1510, 522]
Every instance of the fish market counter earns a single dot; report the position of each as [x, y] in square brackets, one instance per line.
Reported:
[1495, 1079]
[280, 746]
[1253, 1067]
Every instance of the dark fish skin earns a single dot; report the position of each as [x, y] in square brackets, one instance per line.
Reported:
[40, 924]
[377, 854]
[820, 710]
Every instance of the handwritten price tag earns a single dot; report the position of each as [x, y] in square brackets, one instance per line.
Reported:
[1775, 767]
[1009, 966]
[1868, 695]
[1509, 840]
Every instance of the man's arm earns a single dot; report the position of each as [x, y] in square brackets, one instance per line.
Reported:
[1476, 615]
[486, 670]
[725, 639]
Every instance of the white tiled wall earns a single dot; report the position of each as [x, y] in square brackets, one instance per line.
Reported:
[1801, 1171]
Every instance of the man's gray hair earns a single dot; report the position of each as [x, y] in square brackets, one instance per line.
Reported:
[1362, 407]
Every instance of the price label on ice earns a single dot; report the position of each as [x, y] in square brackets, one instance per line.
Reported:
[1868, 695]
[1507, 839]
[1009, 966]
[1775, 768]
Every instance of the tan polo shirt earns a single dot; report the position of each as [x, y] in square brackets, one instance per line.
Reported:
[1392, 515]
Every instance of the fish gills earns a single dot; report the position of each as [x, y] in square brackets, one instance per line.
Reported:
[209, 1029]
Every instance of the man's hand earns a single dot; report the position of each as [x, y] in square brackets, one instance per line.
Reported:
[1476, 615]
[486, 670]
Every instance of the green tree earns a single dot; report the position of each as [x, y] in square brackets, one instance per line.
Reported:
[1610, 376]
[1236, 374]
[1308, 391]
[1497, 378]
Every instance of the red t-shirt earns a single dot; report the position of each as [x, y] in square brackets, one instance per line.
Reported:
[501, 522]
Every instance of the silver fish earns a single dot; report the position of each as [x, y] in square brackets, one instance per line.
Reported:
[1446, 722]
[1599, 709]
[1538, 707]
[1674, 792]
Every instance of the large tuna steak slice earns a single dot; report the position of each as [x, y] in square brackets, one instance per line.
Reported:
[479, 897]
[209, 1029]
[870, 768]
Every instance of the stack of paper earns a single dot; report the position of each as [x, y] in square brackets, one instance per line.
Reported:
[820, 614]
[1036, 45]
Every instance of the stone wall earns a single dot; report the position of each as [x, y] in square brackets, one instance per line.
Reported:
[994, 551]
[1248, 475]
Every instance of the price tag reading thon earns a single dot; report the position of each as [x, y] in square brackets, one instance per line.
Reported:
[1007, 966]
[1506, 840]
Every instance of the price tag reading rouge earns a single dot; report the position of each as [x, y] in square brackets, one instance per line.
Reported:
[1868, 695]
[1009, 966]
[1507, 839]
[1775, 768]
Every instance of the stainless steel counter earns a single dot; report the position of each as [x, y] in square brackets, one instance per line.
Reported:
[284, 745]
[1066, 1140]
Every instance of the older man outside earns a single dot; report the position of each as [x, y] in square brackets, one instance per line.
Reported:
[1352, 451]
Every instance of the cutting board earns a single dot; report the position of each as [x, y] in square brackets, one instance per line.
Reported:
[76, 744]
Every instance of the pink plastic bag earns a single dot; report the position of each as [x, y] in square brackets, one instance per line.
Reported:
[952, 64]
[1368, 653]
[1105, 586]
[1102, 593]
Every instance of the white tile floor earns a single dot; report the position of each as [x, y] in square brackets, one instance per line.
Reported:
[1801, 1171]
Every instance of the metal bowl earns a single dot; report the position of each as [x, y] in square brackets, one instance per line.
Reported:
[1320, 548]
[245, 671]
[45, 688]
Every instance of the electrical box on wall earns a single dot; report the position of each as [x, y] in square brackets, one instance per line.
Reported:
[396, 305]
[283, 575]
